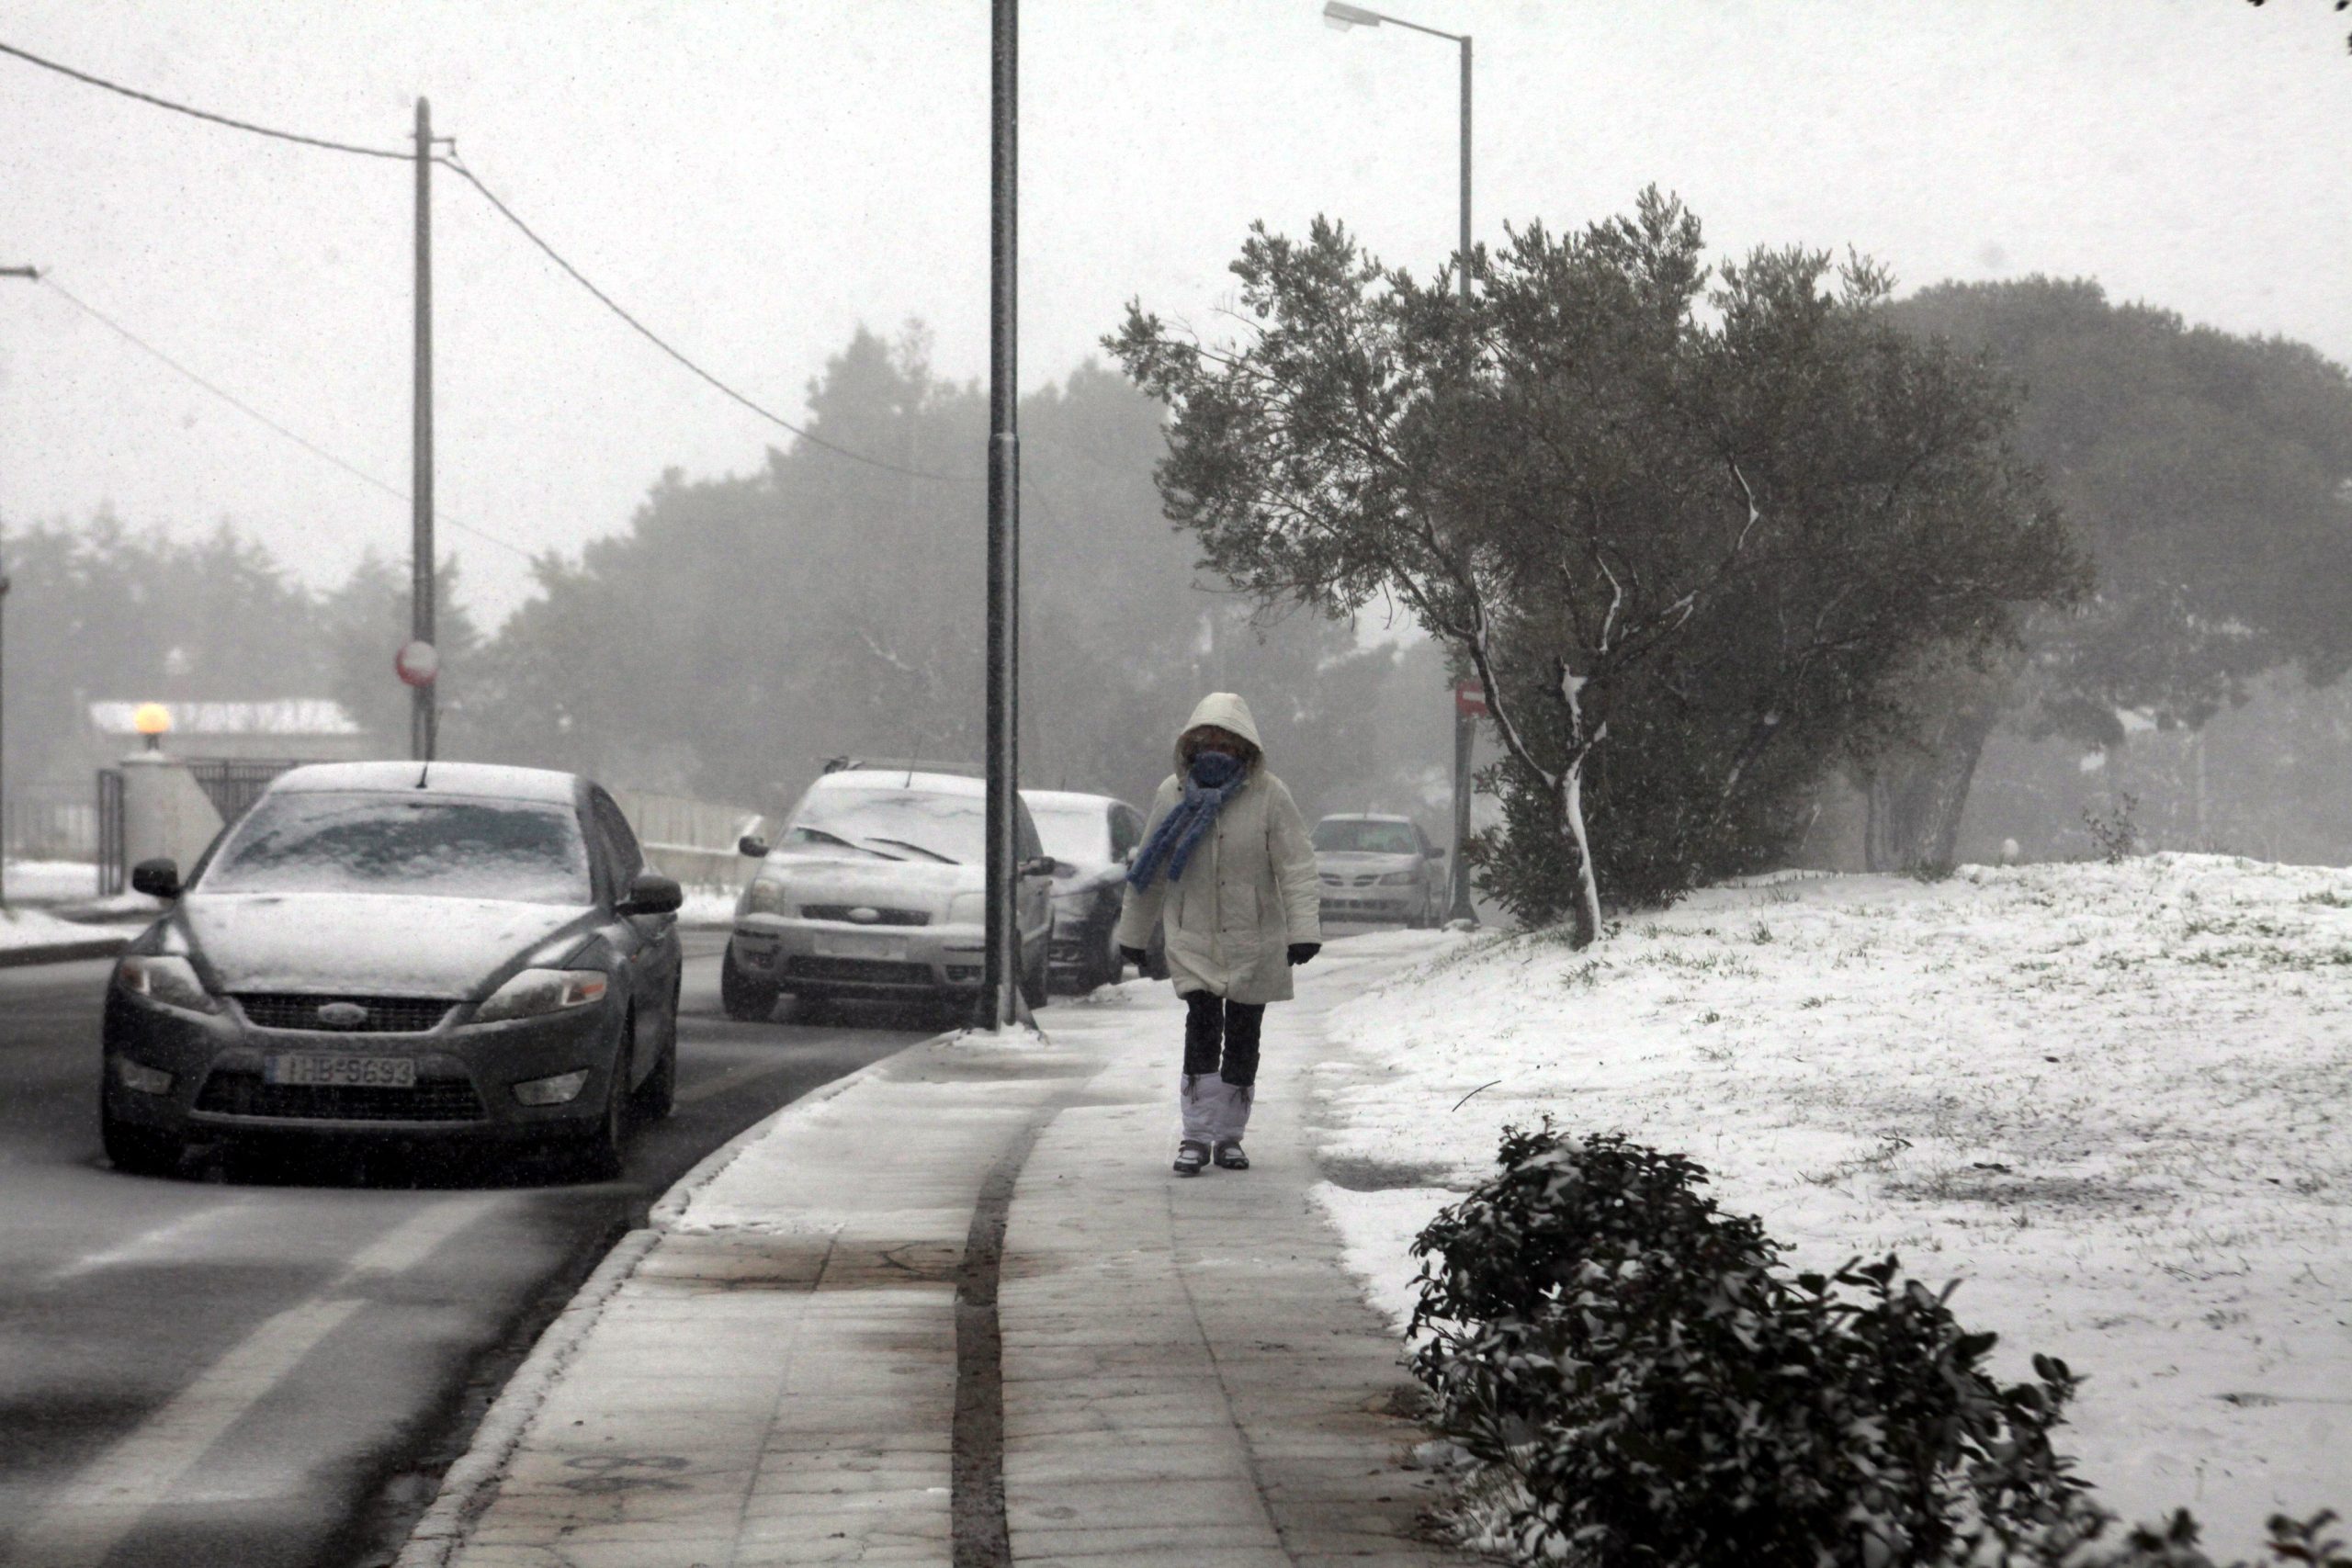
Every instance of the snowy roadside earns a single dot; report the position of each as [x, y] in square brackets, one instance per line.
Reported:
[26, 932]
[2112, 1099]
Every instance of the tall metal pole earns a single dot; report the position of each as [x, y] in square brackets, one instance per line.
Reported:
[3, 734]
[1000, 974]
[422, 715]
[30, 275]
[1466, 727]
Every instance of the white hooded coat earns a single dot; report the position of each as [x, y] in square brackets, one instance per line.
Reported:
[1249, 890]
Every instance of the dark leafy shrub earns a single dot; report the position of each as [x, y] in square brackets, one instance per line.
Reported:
[1648, 1386]
[1663, 1394]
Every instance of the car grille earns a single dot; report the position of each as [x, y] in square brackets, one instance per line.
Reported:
[386, 1015]
[229, 1093]
[1068, 951]
[1363, 879]
[861, 971]
[881, 917]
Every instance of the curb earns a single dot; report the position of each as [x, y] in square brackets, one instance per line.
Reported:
[63, 951]
[469, 1485]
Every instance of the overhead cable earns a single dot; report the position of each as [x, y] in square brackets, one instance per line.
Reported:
[28, 55]
[252, 413]
[656, 339]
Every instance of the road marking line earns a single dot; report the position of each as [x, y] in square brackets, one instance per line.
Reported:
[147, 1240]
[87, 1517]
[731, 1079]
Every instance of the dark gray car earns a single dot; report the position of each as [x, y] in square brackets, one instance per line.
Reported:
[447, 949]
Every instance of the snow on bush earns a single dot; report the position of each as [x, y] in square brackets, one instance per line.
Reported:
[2109, 1100]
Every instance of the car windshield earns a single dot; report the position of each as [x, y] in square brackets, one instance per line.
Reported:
[335, 842]
[1347, 835]
[893, 824]
[1079, 833]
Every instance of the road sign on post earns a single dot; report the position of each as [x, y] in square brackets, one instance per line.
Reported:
[417, 665]
[1470, 698]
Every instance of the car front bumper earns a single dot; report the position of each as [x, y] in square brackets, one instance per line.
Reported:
[465, 1075]
[1373, 903]
[828, 958]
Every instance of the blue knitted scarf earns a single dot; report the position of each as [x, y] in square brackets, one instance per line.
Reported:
[1208, 783]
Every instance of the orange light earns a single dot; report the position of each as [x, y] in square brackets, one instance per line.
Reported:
[151, 719]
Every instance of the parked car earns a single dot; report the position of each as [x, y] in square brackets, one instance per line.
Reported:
[876, 889]
[1378, 868]
[441, 950]
[1092, 839]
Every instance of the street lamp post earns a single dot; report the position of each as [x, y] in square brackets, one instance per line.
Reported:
[31, 274]
[1341, 17]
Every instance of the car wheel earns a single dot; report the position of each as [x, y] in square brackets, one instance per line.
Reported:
[600, 1152]
[658, 1095]
[138, 1151]
[740, 998]
[1113, 963]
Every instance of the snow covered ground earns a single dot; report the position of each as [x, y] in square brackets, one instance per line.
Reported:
[21, 928]
[2114, 1100]
[51, 881]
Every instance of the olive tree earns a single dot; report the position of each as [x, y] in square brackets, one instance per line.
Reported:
[1683, 521]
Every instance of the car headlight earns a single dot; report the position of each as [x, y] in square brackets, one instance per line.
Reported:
[534, 993]
[764, 896]
[1400, 879]
[167, 980]
[968, 909]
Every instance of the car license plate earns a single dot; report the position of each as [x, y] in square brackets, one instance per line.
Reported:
[318, 1067]
[860, 944]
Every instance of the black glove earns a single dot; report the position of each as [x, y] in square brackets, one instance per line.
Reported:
[1300, 952]
[1134, 955]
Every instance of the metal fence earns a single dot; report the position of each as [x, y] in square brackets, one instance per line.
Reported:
[49, 821]
[113, 875]
[233, 783]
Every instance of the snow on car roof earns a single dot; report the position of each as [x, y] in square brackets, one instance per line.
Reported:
[1066, 798]
[485, 780]
[901, 778]
[1359, 817]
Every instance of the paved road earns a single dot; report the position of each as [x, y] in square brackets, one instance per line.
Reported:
[268, 1361]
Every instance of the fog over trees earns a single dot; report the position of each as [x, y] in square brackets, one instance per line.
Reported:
[743, 629]
[1724, 541]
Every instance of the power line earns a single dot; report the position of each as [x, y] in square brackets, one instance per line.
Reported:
[252, 413]
[28, 55]
[655, 339]
[451, 163]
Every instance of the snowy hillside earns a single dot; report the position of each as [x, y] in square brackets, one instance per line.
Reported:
[2114, 1100]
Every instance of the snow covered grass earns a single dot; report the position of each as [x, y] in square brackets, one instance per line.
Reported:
[2112, 1099]
[21, 928]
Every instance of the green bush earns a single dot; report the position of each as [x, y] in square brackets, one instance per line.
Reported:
[1650, 1387]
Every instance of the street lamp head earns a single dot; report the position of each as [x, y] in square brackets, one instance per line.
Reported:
[1341, 17]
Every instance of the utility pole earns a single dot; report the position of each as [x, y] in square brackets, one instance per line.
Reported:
[422, 715]
[1466, 727]
[1000, 973]
[30, 275]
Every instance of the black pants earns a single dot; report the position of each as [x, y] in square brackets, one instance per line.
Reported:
[1215, 1028]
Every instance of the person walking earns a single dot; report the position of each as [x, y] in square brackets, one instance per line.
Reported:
[1228, 870]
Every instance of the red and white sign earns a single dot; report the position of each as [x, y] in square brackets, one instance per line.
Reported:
[417, 663]
[1470, 697]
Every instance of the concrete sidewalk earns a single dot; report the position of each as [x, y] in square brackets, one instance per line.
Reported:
[957, 1308]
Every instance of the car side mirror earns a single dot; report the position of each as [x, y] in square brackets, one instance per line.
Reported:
[752, 844]
[650, 893]
[157, 878]
[1037, 865]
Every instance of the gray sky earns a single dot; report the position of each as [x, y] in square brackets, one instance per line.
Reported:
[757, 179]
